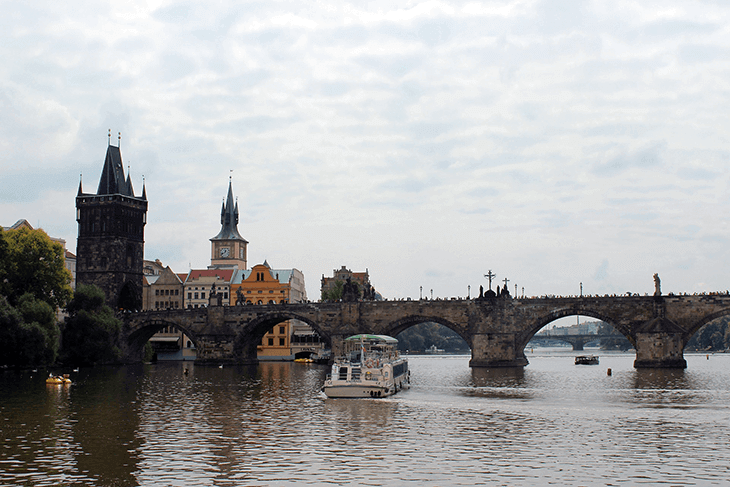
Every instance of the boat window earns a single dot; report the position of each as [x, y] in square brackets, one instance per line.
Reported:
[343, 373]
[355, 373]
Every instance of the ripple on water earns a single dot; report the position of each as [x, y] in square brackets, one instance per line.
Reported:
[550, 423]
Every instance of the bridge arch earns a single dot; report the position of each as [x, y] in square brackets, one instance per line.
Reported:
[705, 320]
[250, 335]
[559, 313]
[402, 324]
[143, 330]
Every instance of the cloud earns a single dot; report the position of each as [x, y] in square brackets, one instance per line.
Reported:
[539, 137]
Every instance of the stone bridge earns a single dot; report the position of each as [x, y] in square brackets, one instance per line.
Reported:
[496, 329]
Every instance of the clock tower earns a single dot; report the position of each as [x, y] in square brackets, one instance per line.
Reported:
[228, 248]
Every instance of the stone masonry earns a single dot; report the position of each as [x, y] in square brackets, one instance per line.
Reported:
[496, 329]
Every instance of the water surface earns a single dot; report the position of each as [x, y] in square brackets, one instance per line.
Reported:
[551, 423]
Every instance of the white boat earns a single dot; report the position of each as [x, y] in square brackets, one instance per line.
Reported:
[370, 367]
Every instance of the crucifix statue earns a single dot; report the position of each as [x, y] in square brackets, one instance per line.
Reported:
[505, 282]
[489, 275]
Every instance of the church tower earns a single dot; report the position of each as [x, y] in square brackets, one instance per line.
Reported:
[228, 248]
[110, 244]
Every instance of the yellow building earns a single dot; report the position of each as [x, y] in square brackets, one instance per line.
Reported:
[264, 285]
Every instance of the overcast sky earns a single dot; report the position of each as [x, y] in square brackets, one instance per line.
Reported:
[552, 142]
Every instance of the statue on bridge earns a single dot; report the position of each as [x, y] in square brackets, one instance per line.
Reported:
[240, 300]
[657, 285]
[350, 292]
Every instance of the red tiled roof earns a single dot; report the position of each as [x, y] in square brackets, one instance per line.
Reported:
[224, 274]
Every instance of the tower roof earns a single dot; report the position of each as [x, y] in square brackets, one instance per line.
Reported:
[112, 179]
[229, 219]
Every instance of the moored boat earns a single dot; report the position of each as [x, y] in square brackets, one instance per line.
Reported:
[371, 367]
[586, 360]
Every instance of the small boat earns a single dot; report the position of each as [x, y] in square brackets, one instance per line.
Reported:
[586, 360]
[432, 350]
[304, 360]
[371, 367]
[58, 379]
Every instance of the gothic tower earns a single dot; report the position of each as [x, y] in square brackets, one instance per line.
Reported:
[228, 248]
[110, 245]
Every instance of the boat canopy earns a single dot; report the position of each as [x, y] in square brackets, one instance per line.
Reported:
[371, 338]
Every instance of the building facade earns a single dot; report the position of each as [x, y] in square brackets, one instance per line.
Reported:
[110, 244]
[264, 285]
[163, 289]
[199, 284]
[332, 286]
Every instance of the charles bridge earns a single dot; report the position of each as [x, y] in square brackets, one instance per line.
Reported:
[496, 328]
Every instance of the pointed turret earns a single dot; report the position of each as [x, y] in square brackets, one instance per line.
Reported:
[229, 218]
[129, 190]
[81, 190]
[228, 249]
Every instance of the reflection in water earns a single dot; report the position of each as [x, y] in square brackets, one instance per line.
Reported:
[549, 423]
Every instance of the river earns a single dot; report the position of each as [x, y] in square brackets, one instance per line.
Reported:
[551, 423]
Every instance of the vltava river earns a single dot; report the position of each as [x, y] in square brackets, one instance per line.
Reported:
[551, 423]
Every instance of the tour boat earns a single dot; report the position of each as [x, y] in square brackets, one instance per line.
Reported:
[370, 367]
[586, 360]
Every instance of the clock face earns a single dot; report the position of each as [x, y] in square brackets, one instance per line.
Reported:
[225, 251]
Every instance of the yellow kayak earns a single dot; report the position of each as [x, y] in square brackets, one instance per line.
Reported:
[57, 379]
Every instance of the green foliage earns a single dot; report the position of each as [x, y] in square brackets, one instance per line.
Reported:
[91, 331]
[335, 292]
[30, 262]
[714, 336]
[28, 333]
[420, 337]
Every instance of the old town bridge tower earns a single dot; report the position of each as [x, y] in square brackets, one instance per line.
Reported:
[110, 245]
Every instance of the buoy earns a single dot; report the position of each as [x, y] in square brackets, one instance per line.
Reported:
[608, 372]
[708, 356]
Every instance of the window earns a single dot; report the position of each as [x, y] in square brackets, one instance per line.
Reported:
[225, 295]
[202, 295]
[271, 292]
[271, 342]
[282, 342]
[282, 330]
[177, 292]
[157, 292]
[157, 304]
[196, 295]
[190, 295]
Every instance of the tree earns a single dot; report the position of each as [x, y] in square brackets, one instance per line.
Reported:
[30, 262]
[28, 333]
[334, 293]
[715, 335]
[91, 331]
[422, 336]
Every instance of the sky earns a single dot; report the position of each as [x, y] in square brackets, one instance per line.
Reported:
[554, 143]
